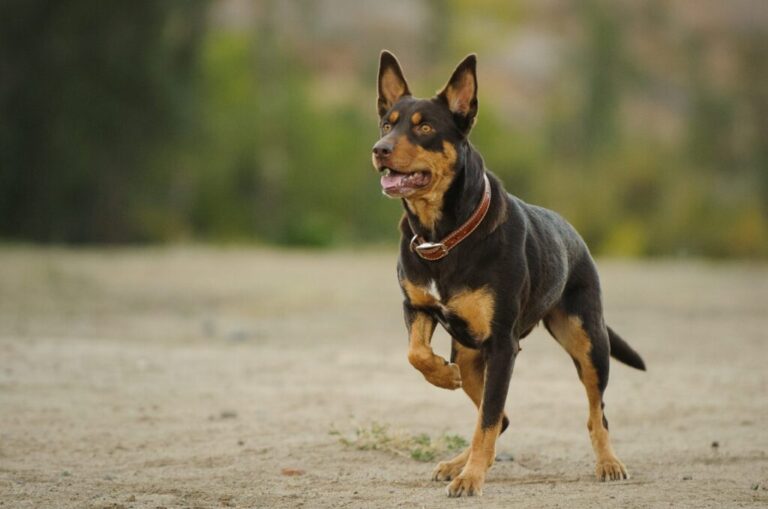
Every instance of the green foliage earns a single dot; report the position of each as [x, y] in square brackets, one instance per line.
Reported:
[89, 94]
[152, 121]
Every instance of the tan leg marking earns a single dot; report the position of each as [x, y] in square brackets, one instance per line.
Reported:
[470, 365]
[475, 307]
[472, 372]
[482, 453]
[417, 295]
[570, 334]
[435, 369]
[468, 469]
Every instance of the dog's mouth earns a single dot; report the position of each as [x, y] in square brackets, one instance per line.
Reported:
[399, 184]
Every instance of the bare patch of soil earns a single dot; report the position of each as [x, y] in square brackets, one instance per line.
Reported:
[197, 377]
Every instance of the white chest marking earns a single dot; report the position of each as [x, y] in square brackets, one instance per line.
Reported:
[432, 290]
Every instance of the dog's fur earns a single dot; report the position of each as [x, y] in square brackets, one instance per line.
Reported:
[522, 265]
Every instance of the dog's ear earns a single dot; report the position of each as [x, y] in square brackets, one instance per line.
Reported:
[460, 93]
[392, 85]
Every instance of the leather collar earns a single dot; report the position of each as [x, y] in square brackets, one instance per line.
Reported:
[436, 250]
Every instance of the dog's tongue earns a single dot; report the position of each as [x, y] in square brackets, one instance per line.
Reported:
[392, 180]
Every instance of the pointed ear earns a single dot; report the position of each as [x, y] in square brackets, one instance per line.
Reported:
[392, 85]
[460, 93]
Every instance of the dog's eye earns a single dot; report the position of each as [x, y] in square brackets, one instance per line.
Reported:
[425, 129]
[386, 127]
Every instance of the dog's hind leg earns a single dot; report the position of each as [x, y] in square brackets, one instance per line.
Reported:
[584, 336]
[472, 366]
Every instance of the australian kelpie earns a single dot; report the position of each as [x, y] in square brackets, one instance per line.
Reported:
[486, 266]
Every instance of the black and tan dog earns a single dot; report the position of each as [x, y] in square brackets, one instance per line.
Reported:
[486, 266]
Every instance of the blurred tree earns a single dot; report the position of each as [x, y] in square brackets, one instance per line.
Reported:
[230, 120]
[604, 68]
[90, 92]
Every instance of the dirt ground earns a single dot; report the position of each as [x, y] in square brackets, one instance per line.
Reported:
[192, 377]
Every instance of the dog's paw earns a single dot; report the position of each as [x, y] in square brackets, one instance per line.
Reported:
[611, 469]
[447, 470]
[454, 381]
[466, 484]
[447, 377]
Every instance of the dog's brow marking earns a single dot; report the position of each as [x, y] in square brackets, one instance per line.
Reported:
[394, 116]
[416, 118]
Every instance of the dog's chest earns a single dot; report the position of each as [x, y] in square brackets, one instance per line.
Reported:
[426, 295]
[462, 311]
[433, 292]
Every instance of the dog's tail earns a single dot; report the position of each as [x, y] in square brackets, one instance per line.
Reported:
[621, 351]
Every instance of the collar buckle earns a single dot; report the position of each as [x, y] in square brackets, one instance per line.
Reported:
[429, 247]
[420, 247]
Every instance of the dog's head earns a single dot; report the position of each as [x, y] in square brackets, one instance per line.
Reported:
[417, 152]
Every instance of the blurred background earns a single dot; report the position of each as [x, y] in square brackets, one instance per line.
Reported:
[645, 123]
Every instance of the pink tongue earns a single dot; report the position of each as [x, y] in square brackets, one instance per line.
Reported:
[392, 180]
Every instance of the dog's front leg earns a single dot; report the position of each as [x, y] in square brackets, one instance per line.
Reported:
[500, 353]
[435, 369]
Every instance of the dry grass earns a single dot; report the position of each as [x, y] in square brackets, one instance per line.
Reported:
[420, 447]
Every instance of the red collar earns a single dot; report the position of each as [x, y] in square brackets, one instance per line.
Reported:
[436, 250]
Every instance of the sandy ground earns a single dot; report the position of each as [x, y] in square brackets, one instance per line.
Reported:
[191, 377]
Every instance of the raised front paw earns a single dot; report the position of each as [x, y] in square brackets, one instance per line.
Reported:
[447, 376]
[466, 483]
[611, 469]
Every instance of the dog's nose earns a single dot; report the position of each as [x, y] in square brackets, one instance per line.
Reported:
[382, 149]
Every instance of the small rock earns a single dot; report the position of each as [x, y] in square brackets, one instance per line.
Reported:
[66, 473]
[715, 444]
[132, 498]
[241, 442]
[687, 477]
[292, 471]
[228, 414]
[504, 456]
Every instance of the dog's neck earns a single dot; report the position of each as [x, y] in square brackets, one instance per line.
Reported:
[434, 219]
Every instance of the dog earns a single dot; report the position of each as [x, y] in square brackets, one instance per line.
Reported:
[486, 266]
